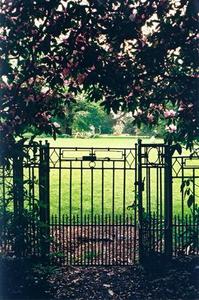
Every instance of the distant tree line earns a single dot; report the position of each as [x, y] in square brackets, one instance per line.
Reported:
[83, 116]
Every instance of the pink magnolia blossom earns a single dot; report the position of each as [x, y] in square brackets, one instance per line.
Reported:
[152, 105]
[137, 112]
[160, 106]
[150, 118]
[171, 128]
[169, 113]
[2, 37]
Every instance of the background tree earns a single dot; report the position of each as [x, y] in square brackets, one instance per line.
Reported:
[81, 115]
[134, 55]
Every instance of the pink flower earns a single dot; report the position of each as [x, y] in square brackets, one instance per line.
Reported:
[2, 37]
[171, 128]
[137, 112]
[169, 113]
[150, 118]
[152, 105]
[160, 106]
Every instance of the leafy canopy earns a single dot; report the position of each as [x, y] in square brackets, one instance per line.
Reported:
[135, 55]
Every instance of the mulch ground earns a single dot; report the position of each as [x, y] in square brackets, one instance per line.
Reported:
[158, 279]
[179, 280]
[96, 245]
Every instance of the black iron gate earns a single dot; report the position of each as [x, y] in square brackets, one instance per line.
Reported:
[101, 206]
[92, 222]
[86, 203]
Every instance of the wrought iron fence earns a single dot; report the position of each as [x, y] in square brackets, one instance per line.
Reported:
[99, 206]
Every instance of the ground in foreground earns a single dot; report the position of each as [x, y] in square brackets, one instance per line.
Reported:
[178, 281]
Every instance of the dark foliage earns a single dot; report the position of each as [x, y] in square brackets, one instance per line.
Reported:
[24, 278]
[134, 55]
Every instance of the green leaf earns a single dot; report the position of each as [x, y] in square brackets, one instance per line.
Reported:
[187, 192]
[182, 186]
[178, 148]
[190, 200]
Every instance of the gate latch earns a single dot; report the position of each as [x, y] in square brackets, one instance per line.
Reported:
[90, 157]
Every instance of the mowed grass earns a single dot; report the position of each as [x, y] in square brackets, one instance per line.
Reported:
[76, 188]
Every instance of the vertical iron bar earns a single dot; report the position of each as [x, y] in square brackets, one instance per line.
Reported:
[66, 239]
[116, 241]
[63, 240]
[113, 194]
[127, 239]
[124, 203]
[182, 199]
[44, 198]
[168, 202]
[136, 203]
[70, 210]
[102, 191]
[92, 212]
[88, 254]
[110, 239]
[140, 205]
[98, 231]
[18, 197]
[175, 236]
[81, 211]
[102, 209]
[150, 213]
[77, 242]
[120, 238]
[59, 187]
[161, 211]
[194, 193]
[105, 240]
[113, 211]
[81, 192]
[96, 240]
[85, 234]
[4, 228]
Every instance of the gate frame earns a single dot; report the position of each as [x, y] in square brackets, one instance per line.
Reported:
[168, 226]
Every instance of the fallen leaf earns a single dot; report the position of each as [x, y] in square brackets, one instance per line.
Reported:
[110, 292]
[107, 285]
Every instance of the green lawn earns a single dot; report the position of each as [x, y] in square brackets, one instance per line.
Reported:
[102, 190]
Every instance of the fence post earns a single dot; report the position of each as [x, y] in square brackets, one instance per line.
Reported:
[168, 203]
[18, 198]
[140, 204]
[44, 199]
